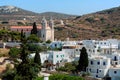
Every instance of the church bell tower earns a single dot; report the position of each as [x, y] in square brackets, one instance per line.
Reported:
[47, 31]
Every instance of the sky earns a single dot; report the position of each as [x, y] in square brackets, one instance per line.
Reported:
[75, 7]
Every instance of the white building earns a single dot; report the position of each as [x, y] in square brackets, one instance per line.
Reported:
[98, 66]
[104, 58]
[115, 59]
[57, 57]
[43, 56]
[72, 50]
[114, 73]
[101, 47]
[52, 56]
[56, 44]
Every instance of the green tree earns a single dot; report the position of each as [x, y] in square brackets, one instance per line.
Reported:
[37, 59]
[33, 47]
[83, 60]
[34, 30]
[14, 52]
[24, 53]
[21, 35]
[48, 41]
[26, 70]
[14, 35]
[33, 38]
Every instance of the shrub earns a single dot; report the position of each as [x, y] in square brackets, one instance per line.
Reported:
[64, 77]
[39, 78]
[14, 52]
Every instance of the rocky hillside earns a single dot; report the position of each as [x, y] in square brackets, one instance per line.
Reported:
[14, 13]
[100, 25]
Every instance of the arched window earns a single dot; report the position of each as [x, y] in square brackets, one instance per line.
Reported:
[115, 72]
[91, 62]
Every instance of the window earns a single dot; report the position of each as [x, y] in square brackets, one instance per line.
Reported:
[98, 63]
[55, 45]
[90, 70]
[105, 43]
[61, 55]
[91, 62]
[104, 63]
[115, 72]
[96, 75]
[57, 56]
[97, 70]
[115, 58]
[116, 63]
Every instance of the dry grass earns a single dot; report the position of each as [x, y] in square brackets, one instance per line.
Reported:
[4, 52]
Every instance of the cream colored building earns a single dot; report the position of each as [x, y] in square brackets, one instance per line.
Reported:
[47, 31]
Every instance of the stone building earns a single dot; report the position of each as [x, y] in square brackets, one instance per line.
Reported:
[47, 31]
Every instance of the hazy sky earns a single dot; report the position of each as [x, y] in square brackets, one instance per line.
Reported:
[77, 7]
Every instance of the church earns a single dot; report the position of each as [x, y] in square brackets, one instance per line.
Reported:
[45, 31]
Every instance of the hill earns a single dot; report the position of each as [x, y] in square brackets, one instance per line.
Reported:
[100, 25]
[14, 13]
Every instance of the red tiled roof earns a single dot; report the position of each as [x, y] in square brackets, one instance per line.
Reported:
[24, 27]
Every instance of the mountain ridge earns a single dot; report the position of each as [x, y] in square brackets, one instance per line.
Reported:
[15, 13]
[99, 25]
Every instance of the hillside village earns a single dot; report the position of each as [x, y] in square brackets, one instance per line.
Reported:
[103, 52]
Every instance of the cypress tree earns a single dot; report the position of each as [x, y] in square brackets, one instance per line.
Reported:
[21, 35]
[37, 59]
[34, 30]
[83, 60]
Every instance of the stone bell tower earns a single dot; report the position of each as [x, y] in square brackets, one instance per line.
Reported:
[47, 31]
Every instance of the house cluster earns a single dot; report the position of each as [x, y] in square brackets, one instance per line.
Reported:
[104, 56]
